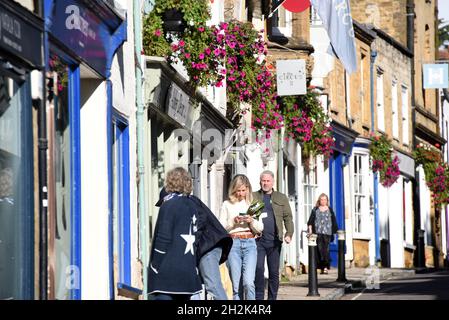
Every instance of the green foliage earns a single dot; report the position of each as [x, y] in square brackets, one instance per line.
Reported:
[443, 32]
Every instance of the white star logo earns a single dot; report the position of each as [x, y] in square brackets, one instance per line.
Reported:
[194, 219]
[190, 239]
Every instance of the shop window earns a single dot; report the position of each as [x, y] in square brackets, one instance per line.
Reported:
[16, 191]
[60, 182]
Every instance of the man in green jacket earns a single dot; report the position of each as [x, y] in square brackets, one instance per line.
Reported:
[277, 213]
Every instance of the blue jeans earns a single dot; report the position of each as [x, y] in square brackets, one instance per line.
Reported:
[210, 273]
[242, 261]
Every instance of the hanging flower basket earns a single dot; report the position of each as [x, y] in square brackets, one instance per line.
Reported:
[194, 46]
[436, 172]
[381, 151]
[307, 124]
[57, 66]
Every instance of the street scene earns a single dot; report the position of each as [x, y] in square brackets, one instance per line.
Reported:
[192, 150]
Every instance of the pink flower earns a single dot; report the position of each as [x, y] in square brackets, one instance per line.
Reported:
[157, 33]
[201, 56]
[182, 43]
[207, 50]
[201, 29]
[187, 55]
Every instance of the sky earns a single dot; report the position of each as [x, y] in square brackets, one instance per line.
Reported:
[443, 10]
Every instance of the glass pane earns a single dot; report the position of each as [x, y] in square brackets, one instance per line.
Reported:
[13, 210]
[63, 223]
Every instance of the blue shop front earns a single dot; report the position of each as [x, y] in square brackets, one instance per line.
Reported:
[344, 140]
[82, 38]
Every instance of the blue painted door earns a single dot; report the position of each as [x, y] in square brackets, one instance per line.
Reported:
[337, 199]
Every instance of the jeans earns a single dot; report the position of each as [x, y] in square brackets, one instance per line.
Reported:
[241, 263]
[271, 250]
[210, 273]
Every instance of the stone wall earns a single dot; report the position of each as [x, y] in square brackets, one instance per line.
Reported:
[361, 253]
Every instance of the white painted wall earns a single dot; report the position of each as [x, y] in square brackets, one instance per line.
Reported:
[409, 212]
[424, 200]
[384, 205]
[396, 224]
[255, 165]
[348, 212]
[94, 193]
[124, 101]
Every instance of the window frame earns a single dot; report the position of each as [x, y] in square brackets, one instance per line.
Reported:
[363, 230]
[286, 31]
[405, 115]
[380, 103]
[394, 109]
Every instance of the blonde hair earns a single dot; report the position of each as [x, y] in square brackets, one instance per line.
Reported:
[238, 181]
[178, 180]
[318, 201]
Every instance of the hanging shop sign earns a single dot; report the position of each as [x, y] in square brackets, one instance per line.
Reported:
[85, 30]
[436, 76]
[291, 77]
[19, 37]
[178, 105]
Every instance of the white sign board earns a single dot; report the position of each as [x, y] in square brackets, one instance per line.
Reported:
[178, 104]
[291, 77]
[435, 76]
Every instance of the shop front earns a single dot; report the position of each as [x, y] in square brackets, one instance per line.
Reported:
[21, 43]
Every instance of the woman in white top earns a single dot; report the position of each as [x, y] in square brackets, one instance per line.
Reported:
[243, 229]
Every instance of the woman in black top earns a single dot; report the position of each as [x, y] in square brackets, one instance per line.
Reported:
[323, 223]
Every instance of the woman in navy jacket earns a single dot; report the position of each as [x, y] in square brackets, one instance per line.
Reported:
[172, 272]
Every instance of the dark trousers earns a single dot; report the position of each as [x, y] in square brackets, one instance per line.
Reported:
[323, 257]
[272, 251]
[175, 297]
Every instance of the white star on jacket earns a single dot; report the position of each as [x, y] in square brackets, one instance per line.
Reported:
[190, 239]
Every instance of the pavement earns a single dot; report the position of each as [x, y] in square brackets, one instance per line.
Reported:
[329, 289]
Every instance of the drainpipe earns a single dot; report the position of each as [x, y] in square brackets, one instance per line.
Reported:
[376, 176]
[43, 187]
[143, 225]
[416, 199]
[446, 97]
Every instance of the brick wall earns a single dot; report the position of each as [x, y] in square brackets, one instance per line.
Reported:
[396, 66]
